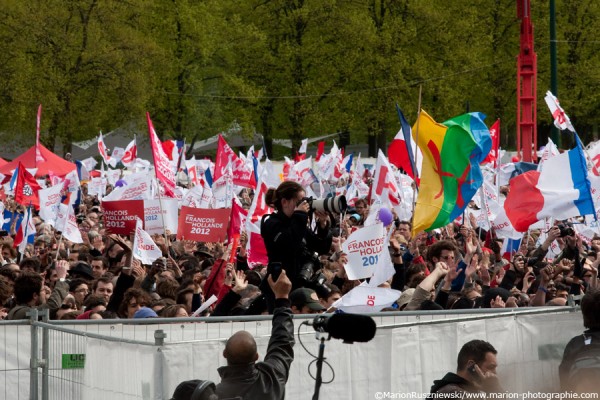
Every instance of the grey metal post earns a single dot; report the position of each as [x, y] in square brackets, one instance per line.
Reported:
[33, 362]
[45, 355]
[159, 337]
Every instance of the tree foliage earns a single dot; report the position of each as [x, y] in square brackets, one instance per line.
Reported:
[281, 68]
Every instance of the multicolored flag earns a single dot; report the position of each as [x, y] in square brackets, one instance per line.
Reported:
[451, 175]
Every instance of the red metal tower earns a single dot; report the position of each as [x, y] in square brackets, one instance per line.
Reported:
[526, 87]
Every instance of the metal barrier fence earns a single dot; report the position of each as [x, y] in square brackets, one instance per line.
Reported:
[47, 359]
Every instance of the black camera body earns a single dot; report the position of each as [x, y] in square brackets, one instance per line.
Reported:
[309, 271]
[566, 230]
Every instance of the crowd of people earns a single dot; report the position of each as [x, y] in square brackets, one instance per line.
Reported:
[456, 267]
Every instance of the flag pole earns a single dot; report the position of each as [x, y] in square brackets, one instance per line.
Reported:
[416, 172]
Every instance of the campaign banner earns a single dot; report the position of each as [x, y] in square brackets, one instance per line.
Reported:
[49, 200]
[153, 217]
[120, 216]
[144, 248]
[364, 249]
[203, 225]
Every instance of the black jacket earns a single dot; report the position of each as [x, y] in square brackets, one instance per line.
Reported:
[283, 237]
[575, 348]
[452, 383]
[264, 380]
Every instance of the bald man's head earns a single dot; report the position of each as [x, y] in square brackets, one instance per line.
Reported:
[240, 349]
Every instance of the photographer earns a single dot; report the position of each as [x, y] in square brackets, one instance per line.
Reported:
[288, 239]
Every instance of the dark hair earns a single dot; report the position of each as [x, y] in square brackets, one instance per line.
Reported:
[362, 201]
[94, 300]
[286, 190]
[435, 250]
[590, 308]
[170, 311]
[26, 285]
[104, 279]
[475, 350]
[133, 293]
[167, 289]
[32, 263]
[77, 282]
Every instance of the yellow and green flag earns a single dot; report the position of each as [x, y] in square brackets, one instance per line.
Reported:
[450, 174]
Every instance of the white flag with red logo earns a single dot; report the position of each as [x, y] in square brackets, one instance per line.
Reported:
[242, 175]
[162, 165]
[144, 248]
[492, 157]
[549, 151]
[594, 154]
[259, 206]
[130, 154]
[384, 182]
[561, 120]
[366, 299]
[102, 149]
[71, 230]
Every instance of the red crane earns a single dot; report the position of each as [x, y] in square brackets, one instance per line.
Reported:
[526, 87]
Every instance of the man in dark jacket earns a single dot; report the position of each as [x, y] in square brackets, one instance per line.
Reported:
[579, 369]
[243, 376]
[475, 373]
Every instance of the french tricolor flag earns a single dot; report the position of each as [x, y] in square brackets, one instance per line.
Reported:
[510, 247]
[403, 151]
[561, 190]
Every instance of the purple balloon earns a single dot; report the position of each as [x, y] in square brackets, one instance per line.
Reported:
[120, 183]
[385, 216]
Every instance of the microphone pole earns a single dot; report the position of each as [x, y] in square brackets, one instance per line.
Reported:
[318, 378]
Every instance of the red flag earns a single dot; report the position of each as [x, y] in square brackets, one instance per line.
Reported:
[320, 150]
[162, 164]
[38, 153]
[235, 221]
[492, 156]
[26, 188]
[216, 278]
[299, 157]
[242, 176]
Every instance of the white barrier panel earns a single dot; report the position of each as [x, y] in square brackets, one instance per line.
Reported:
[405, 359]
[400, 359]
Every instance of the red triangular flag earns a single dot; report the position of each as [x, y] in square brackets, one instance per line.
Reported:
[26, 188]
[320, 150]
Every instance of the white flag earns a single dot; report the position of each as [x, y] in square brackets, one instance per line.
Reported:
[49, 200]
[561, 120]
[71, 231]
[365, 249]
[144, 248]
[366, 299]
[303, 146]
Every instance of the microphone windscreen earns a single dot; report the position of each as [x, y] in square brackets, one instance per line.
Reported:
[351, 327]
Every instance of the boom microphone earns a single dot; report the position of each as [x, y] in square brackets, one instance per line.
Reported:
[348, 327]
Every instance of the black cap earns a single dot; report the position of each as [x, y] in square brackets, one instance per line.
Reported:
[193, 390]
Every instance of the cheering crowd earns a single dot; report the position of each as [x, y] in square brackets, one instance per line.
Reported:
[456, 267]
